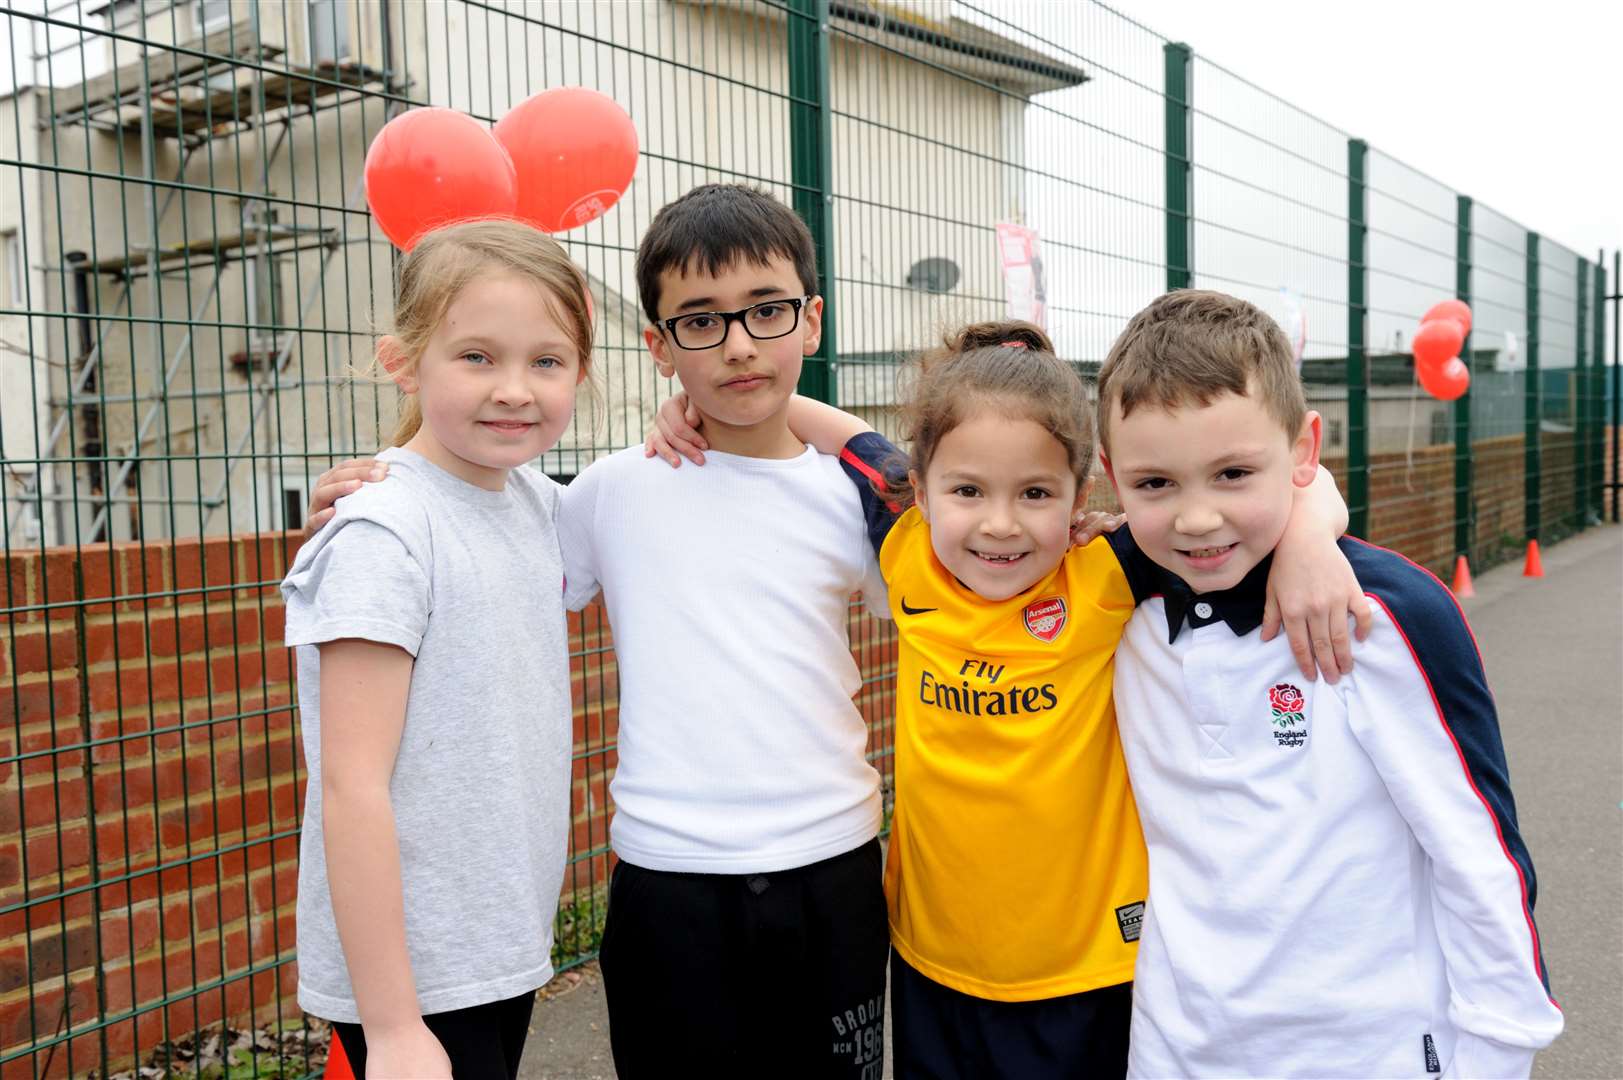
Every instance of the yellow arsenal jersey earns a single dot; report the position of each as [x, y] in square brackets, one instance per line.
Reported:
[1016, 868]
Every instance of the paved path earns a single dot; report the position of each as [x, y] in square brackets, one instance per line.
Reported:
[1554, 650]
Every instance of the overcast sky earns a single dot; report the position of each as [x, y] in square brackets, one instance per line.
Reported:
[1517, 104]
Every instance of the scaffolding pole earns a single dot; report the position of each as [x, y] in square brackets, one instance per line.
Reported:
[267, 388]
[59, 425]
[161, 403]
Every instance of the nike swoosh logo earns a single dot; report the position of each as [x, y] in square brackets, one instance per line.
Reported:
[915, 610]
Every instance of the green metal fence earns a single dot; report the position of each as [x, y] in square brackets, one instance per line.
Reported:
[190, 280]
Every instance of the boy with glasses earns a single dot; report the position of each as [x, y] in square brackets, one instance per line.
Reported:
[746, 930]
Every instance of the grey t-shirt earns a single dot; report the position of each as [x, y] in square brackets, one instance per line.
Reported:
[469, 582]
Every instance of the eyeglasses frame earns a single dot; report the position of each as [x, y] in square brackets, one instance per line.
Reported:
[668, 326]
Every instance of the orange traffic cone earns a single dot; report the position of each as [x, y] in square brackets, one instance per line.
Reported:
[337, 1063]
[1462, 578]
[1535, 565]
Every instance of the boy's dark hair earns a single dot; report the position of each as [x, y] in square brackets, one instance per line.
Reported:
[1191, 346]
[711, 228]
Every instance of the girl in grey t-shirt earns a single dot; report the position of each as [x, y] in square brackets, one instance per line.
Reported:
[433, 674]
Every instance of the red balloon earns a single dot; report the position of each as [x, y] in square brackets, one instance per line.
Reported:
[1447, 381]
[430, 167]
[575, 150]
[1458, 310]
[1436, 342]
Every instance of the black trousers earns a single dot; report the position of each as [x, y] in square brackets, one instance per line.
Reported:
[942, 1034]
[752, 975]
[484, 1042]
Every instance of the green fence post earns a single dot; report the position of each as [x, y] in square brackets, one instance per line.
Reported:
[1531, 455]
[812, 170]
[1357, 321]
[1464, 495]
[1617, 387]
[1180, 181]
[1580, 396]
[1597, 397]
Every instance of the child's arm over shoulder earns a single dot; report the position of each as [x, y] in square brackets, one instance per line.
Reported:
[876, 467]
[1420, 706]
[1312, 588]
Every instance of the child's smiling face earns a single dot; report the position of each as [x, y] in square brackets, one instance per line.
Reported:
[998, 494]
[496, 381]
[1208, 489]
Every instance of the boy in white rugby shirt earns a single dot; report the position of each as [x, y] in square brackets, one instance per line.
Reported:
[1338, 885]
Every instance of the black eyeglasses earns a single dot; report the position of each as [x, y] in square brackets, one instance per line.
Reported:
[764, 321]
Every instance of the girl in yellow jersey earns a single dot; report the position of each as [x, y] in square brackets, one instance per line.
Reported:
[1016, 873]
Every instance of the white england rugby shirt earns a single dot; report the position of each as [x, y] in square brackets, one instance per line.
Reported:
[1337, 884]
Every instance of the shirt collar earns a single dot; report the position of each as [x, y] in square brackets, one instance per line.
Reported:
[1240, 607]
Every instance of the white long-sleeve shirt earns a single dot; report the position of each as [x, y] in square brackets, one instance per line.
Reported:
[1338, 887]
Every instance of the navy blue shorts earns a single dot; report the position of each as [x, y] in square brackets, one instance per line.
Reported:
[938, 1033]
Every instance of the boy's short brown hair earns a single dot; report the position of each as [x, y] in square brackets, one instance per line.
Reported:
[1192, 346]
[712, 227]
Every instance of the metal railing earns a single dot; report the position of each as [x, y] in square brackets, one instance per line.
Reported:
[189, 278]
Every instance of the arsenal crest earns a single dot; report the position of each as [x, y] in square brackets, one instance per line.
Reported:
[1045, 618]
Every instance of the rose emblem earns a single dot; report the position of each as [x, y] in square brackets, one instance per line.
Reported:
[1285, 698]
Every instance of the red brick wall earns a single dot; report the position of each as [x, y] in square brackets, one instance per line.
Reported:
[147, 744]
[1411, 498]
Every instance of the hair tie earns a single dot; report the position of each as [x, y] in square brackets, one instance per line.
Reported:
[1013, 344]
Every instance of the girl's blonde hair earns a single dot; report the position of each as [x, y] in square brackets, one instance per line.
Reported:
[442, 264]
[1008, 367]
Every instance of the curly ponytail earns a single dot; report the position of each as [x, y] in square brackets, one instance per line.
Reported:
[1010, 333]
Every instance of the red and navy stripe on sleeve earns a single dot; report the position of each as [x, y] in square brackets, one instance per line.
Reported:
[1445, 651]
[873, 462]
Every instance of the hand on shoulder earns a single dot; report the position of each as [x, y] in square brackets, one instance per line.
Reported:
[343, 479]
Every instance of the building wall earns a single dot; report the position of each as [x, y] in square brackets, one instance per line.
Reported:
[710, 103]
[25, 345]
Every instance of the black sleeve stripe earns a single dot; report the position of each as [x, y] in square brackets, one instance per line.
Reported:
[1429, 619]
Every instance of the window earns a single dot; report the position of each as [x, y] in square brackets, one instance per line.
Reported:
[285, 493]
[12, 286]
[1442, 427]
[123, 14]
[267, 305]
[292, 508]
[328, 23]
[213, 15]
[1334, 438]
